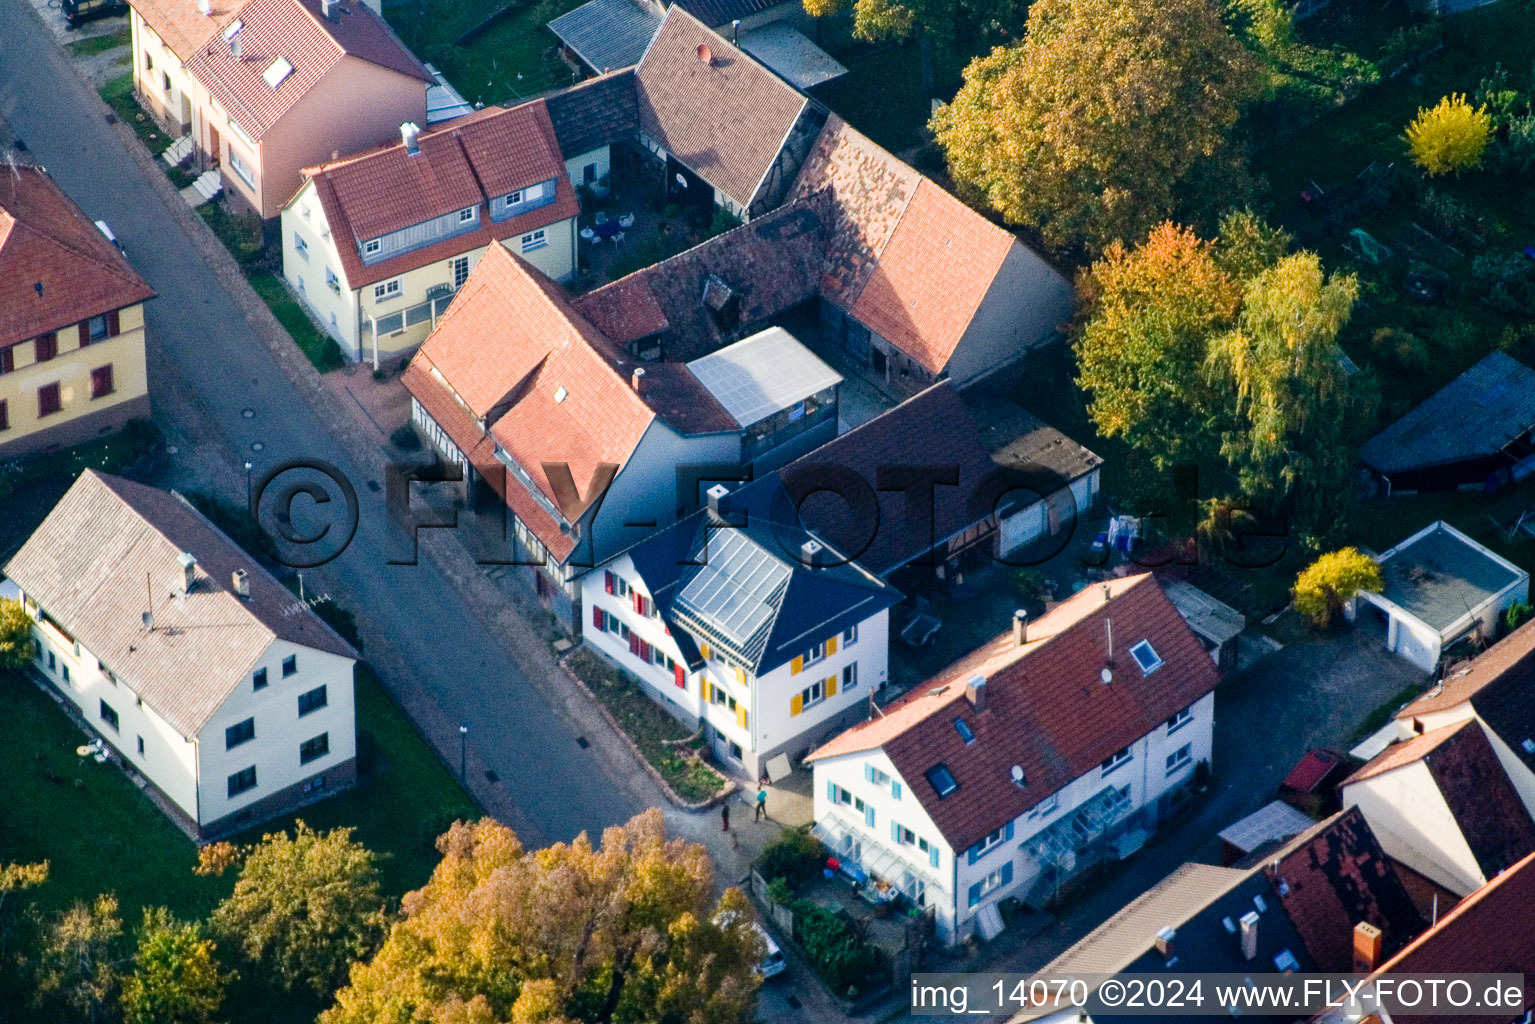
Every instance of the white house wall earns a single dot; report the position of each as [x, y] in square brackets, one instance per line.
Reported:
[600, 159]
[335, 309]
[1145, 774]
[778, 729]
[169, 759]
[1408, 815]
[279, 729]
[175, 102]
[1033, 522]
[1025, 307]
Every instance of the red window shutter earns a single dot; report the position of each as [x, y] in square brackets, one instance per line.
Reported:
[680, 679]
[645, 650]
[112, 324]
[85, 333]
[607, 580]
[634, 644]
[597, 617]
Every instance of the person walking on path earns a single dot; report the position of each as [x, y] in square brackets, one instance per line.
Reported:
[724, 817]
[761, 803]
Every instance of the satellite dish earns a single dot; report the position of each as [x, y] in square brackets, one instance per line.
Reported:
[1017, 775]
[1107, 675]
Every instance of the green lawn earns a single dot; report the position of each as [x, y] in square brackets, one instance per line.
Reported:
[648, 725]
[99, 833]
[100, 44]
[118, 94]
[512, 61]
[321, 349]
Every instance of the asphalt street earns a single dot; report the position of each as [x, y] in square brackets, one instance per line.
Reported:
[218, 388]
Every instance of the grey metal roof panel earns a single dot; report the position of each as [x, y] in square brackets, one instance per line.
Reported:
[607, 34]
[763, 374]
[792, 55]
[1440, 578]
[1474, 415]
[87, 566]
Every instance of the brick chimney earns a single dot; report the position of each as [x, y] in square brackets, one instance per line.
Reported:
[1164, 942]
[1249, 935]
[975, 690]
[1367, 942]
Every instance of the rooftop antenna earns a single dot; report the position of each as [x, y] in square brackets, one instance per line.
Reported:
[148, 617]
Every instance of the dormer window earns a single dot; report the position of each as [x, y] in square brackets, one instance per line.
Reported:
[278, 70]
[372, 247]
[513, 198]
[467, 215]
[1146, 657]
[942, 779]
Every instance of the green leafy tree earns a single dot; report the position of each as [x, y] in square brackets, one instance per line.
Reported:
[78, 963]
[630, 931]
[1110, 116]
[305, 906]
[1324, 586]
[1518, 614]
[176, 978]
[1290, 400]
[1451, 136]
[17, 648]
[1148, 315]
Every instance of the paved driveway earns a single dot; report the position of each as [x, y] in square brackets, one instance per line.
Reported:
[221, 388]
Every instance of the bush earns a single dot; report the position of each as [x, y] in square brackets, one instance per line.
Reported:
[795, 856]
[834, 950]
[1031, 585]
[1400, 348]
[405, 438]
[17, 648]
[1326, 584]
[1508, 283]
[1449, 137]
[1518, 614]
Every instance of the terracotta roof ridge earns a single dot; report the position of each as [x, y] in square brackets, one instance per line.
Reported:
[1408, 752]
[463, 150]
[315, 20]
[1460, 909]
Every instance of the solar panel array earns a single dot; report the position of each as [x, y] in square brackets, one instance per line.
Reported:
[738, 589]
[759, 376]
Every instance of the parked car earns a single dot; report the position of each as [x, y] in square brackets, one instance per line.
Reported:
[106, 230]
[78, 12]
[774, 963]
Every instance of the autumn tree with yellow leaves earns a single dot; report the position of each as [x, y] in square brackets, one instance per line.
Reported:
[629, 931]
[1451, 136]
[1110, 116]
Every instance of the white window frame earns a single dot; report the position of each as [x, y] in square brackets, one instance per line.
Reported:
[460, 262]
[850, 676]
[1180, 759]
[1116, 760]
[1046, 806]
[1179, 720]
[812, 695]
[372, 247]
[850, 636]
[241, 168]
[534, 241]
[1144, 646]
[300, 246]
[992, 882]
[512, 198]
[468, 215]
[386, 290]
[991, 840]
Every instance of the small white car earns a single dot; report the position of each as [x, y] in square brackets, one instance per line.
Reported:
[774, 963]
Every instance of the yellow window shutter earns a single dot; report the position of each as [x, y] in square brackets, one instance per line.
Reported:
[741, 675]
[797, 665]
[831, 686]
[741, 715]
[796, 704]
[831, 647]
[703, 649]
[703, 688]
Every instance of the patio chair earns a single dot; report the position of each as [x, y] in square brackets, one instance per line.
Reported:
[626, 221]
[618, 239]
[601, 217]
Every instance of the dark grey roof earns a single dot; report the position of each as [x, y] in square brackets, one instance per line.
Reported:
[1505, 705]
[732, 580]
[608, 34]
[1473, 416]
[1019, 439]
[1440, 576]
[598, 112]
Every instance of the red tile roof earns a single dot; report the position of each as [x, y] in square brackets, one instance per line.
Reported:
[726, 119]
[56, 268]
[1487, 932]
[1311, 771]
[625, 310]
[295, 31]
[465, 163]
[181, 26]
[924, 313]
[1335, 877]
[532, 371]
[1516, 649]
[1475, 787]
[907, 259]
[1047, 709]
